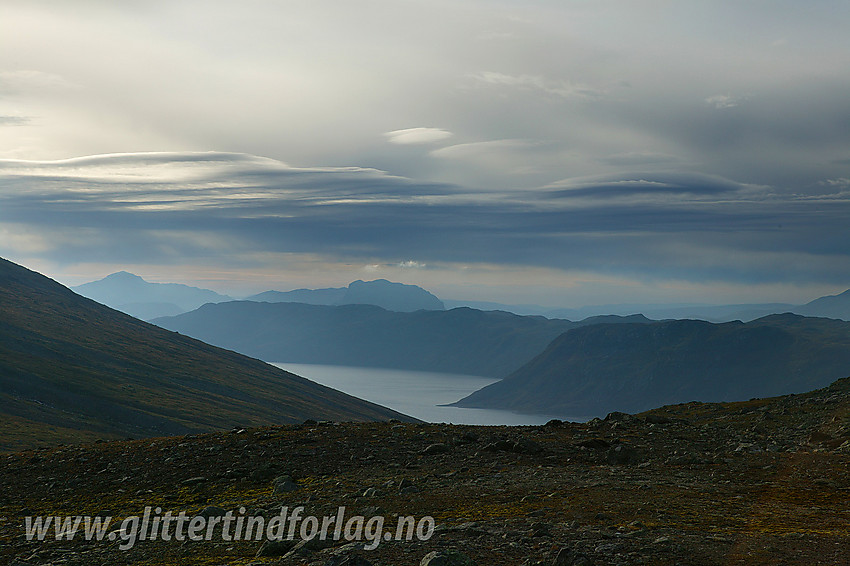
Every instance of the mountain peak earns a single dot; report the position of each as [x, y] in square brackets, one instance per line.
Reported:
[830, 306]
[133, 295]
[392, 296]
[123, 275]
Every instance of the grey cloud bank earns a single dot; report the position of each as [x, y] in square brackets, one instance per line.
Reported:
[649, 149]
[233, 208]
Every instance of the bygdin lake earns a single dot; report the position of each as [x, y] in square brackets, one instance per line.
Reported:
[416, 393]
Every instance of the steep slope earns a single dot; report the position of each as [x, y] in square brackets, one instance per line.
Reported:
[633, 367]
[464, 341]
[133, 295]
[71, 368]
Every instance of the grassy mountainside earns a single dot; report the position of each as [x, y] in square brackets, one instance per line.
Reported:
[72, 369]
[463, 340]
[633, 367]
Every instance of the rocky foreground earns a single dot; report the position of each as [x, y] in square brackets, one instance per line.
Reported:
[758, 482]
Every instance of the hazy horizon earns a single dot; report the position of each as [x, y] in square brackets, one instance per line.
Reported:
[561, 154]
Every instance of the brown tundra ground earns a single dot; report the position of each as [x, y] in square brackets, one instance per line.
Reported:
[758, 482]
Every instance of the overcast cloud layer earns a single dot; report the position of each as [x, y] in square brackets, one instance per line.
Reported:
[554, 152]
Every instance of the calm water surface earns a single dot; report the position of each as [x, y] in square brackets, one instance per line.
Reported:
[416, 393]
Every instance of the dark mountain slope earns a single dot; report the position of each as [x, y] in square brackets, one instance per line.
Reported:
[463, 340]
[71, 368]
[633, 367]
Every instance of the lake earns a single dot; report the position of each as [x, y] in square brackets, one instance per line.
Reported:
[415, 393]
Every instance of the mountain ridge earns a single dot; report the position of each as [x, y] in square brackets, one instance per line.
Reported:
[397, 297]
[628, 367]
[459, 341]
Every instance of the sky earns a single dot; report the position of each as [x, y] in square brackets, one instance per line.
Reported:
[562, 153]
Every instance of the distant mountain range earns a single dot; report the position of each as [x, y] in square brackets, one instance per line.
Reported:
[634, 367]
[72, 369]
[133, 295]
[385, 294]
[833, 306]
[462, 341]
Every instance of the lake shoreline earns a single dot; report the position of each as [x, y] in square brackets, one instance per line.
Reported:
[427, 396]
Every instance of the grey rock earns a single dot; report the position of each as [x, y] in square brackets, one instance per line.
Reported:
[622, 455]
[284, 484]
[569, 557]
[446, 558]
[527, 446]
[212, 511]
[275, 547]
[500, 446]
[438, 448]
[618, 416]
[595, 444]
[348, 560]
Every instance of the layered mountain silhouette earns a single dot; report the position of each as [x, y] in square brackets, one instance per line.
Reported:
[634, 367]
[330, 296]
[830, 306]
[833, 306]
[462, 341]
[133, 295]
[73, 369]
[391, 296]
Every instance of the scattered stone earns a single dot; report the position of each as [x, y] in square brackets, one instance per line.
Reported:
[527, 446]
[569, 557]
[595, 444]
[446, 558]
[212, 511]
[284, 484]
[438, 448]
[348, 560]
[275, 547]
[622, 455]
[499, 446]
